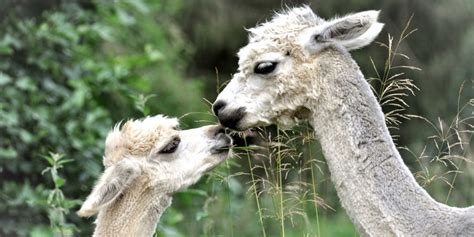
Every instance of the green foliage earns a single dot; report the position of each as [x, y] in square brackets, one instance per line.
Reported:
[58, 205]
[66, 76]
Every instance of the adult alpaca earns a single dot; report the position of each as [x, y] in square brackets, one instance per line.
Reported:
[297, 67]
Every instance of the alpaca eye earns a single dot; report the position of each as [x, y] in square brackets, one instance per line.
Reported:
[265, 67]
[171, 147]
[318, 37]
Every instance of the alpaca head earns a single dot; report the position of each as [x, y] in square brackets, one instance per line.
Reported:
[276, 70]
[154, 153]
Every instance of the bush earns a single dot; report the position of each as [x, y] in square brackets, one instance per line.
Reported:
[66, 76]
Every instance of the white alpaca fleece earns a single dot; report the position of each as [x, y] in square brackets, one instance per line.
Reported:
[137, 137]
[146, 161]
[297, 66]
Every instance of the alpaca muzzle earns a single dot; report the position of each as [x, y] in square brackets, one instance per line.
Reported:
[228, 118]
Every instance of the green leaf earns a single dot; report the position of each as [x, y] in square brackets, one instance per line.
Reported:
[5, 50]
[7, 44]
[125, 18]
[139, 5]
[198, 192]
[104, 31]
[4, 79]
[9, 119]
[153, 54]
[59, 182]
[49, 159]
[41, 231]
[64, 161]
[174, 216]
[70, 203]
[140, 103]
[56, 156]
[26, 136]
[51, 197]
[8, 153]
[201, 215]
[26, 84]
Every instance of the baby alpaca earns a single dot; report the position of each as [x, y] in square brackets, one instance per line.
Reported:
[146, 161]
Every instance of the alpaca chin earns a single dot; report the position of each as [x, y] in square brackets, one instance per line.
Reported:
[286, 122]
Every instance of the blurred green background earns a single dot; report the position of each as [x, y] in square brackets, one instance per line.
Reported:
[70, 69]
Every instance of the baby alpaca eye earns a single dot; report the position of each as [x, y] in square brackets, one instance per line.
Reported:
[171, 146]
[265, 67]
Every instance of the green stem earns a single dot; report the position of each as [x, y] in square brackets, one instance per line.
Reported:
[280, 180]
[259, 209]
[315, 194]
[229, 198]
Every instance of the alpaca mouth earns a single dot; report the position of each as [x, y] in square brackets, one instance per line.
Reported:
[243, 138]
[224, 143]
[222, 149]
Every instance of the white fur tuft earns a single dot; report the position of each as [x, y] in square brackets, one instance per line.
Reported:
[285, 23]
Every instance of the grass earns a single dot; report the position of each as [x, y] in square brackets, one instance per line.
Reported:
[448, 152]
[391, 88]
[255, 193]
[283, 182]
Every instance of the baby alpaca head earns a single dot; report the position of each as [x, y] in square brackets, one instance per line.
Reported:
[278, 68]
[156, 153]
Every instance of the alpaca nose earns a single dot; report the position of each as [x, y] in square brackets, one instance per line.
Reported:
[218, 106]
[219, 130]
[215, 130]
[228, 118]
[219, 133]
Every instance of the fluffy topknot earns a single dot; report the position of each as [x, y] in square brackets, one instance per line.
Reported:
[136, 137]
[285, 24]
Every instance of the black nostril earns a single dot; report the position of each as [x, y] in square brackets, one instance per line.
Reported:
[218, 106]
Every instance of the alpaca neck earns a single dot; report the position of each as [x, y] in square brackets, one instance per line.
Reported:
[136, 213]
[377, 190]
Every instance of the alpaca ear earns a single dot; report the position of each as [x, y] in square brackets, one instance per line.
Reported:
[352, 32]
[110, 185]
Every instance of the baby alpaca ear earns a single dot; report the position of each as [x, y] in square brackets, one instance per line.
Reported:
[111, 184]
[352, 32]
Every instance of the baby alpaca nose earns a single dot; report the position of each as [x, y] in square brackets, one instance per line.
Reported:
[220, 130]
[215, 130]
[219, 133]
[218, 106]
